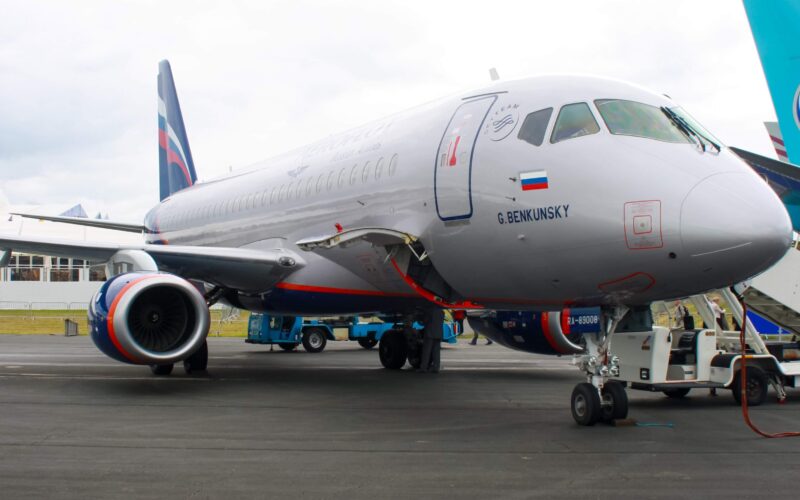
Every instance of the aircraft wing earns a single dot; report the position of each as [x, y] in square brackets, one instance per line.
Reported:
[783, 178]
[82, 221]
[237, 268]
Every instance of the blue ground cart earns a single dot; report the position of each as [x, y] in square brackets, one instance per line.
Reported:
[290, 331]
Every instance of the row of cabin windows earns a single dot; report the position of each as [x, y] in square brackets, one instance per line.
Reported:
[346, 176]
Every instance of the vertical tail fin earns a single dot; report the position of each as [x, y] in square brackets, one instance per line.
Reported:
[175, 164]
[776, 29]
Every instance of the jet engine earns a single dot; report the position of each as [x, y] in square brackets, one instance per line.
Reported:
[555, 332]
[148, 318]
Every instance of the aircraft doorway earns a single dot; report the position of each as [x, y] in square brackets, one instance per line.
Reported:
[452, 182]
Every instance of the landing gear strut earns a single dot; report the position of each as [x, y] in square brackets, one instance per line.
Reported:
[600, 399]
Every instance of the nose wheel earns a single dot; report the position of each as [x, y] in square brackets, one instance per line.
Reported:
[600, 399]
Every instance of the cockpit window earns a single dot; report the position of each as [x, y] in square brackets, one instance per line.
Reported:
[640, 120]
[535, 126]
[574, 120]
[695, 126]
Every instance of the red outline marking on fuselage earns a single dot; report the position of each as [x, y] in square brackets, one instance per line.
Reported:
[467, 304]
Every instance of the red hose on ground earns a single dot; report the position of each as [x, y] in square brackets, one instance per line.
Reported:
[743, 388]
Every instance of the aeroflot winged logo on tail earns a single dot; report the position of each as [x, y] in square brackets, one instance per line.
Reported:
[168, 141]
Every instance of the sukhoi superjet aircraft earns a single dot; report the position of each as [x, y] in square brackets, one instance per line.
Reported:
[538, 194]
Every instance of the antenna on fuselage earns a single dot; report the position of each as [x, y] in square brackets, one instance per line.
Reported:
[493, 74]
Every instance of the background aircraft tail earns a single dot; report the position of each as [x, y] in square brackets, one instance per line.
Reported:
[175, 164]
[776, 29]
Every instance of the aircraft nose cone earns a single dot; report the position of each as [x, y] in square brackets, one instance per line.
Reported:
[735, 225]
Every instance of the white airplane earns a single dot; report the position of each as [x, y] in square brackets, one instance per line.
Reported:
[537, 194]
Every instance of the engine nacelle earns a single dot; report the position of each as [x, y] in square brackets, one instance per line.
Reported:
[148, 318]
[538, 332]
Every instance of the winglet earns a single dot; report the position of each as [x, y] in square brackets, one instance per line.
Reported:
[176, 166]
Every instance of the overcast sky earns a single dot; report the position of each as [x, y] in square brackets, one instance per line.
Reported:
[78, 79]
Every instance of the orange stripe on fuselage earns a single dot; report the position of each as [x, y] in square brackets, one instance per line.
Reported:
[340, 291]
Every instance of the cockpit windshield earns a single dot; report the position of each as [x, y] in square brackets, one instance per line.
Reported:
[640, 120]
[703, 134]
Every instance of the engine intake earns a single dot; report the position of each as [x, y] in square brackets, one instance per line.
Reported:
[554, 332]
[148, 318]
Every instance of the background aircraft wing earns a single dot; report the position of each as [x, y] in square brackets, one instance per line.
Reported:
[82, 221]
[782, 177]
[237, 268]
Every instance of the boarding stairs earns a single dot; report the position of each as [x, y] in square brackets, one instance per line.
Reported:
[775, 294]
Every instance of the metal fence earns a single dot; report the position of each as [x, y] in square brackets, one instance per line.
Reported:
[49, 317]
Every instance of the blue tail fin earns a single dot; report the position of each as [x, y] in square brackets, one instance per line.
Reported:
[175, 164]
[776, 29]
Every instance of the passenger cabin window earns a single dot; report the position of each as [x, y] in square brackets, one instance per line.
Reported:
[639, 120]
[574, 120]
[329, 182]
[366, 172]
[535, 126]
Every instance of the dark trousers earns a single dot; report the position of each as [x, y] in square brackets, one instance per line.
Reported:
[431, 358]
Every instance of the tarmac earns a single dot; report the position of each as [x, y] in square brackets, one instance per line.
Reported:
[493, 424]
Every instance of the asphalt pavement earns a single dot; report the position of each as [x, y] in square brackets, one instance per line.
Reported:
[493, 424]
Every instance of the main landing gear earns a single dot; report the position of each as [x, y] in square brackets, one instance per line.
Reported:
[197, 362]
[600, 399]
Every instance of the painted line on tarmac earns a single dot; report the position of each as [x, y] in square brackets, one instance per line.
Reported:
[99, 377]
[446, 367]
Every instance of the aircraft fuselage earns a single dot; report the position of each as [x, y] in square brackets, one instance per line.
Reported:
[584, 218]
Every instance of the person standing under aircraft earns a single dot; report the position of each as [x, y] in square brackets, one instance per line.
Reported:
[430, 360]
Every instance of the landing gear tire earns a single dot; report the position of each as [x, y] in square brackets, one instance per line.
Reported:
[757, 385]
[314, 340]
[676, 393]
[367, 343]
[197, 362]
[162, 370]
[393, 350]
[585, 404]
[615, 402]
[288, 347]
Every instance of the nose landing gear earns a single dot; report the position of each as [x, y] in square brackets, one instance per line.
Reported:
[600, 399]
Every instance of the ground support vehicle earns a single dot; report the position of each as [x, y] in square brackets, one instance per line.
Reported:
[675, 361]
[290, 331]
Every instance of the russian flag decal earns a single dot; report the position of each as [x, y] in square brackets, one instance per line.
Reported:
[536, 179]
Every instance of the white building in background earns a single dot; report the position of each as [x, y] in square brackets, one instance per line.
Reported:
[45, 282]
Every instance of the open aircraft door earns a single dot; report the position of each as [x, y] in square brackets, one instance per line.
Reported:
[452, 181]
